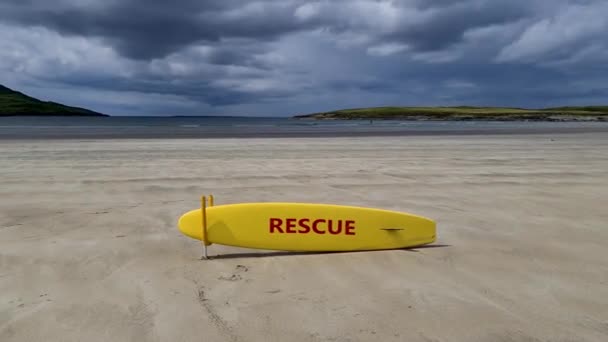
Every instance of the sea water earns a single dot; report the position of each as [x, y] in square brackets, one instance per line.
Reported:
[220, 127]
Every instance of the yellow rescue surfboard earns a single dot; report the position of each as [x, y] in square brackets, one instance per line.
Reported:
[305, 227]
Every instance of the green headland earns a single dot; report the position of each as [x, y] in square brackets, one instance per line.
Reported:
[14, 103]
[462, 113]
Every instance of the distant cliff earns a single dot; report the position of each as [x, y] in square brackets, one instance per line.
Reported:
[14, 103]
[463, 113]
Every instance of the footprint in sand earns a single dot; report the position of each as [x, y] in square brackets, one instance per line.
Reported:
[235, 276]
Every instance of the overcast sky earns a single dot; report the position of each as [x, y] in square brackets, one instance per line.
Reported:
[287, 57]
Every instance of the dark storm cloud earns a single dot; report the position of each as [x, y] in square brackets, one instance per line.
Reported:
[447, 24]
[272, 55]
[144, 29]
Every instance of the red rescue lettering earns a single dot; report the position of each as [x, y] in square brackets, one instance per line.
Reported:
[350, 227]
[307, 225]
[315, 224]
[304, 224]
[337, 230]
[291, 223]
[275, 223]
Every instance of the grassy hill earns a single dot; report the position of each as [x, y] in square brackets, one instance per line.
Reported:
[588, 113]
[13, 103]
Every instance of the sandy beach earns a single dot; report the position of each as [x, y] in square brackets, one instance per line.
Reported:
[90, 251]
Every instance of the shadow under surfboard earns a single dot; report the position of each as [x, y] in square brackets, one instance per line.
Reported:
[291, 253]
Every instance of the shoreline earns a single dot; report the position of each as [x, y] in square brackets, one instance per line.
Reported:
[281, 132]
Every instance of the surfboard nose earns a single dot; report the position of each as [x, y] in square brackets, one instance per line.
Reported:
[189, 224]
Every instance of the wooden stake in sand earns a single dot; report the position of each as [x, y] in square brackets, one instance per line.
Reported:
[204, 225]
[204, 240]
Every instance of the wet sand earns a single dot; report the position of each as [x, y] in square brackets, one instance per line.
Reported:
[90, 251]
